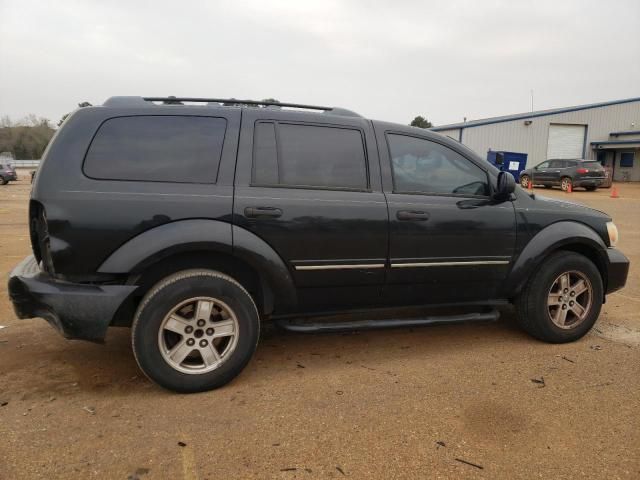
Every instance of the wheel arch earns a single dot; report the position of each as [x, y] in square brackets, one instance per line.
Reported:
[165, 249]
[566, 235]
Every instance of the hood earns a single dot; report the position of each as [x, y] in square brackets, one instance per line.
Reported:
[564, 206]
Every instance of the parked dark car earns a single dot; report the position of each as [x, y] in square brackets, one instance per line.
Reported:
[568, 174]
[193, 221]
[7, 174]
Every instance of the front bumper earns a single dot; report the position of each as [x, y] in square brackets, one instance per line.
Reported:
[617, 270]
[76, 310]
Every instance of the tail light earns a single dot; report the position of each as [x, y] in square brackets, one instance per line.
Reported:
[582, 170]
[39, 233]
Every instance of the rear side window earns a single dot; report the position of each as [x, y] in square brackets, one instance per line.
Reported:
[592, 165]
[309, 156]
[178, 149]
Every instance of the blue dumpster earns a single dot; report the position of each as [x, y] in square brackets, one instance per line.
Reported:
[511, 162]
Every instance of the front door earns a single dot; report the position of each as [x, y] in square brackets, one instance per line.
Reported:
[449, 241]
[542, 173]
[312, 191]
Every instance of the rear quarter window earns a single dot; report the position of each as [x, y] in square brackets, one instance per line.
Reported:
[170, 148]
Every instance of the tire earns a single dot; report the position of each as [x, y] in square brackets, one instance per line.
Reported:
[3, 181]
[590, 189]
[524, 181]
[565, 183]
[173, 305]
[535, 315]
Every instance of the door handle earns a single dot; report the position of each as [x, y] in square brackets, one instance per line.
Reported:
[415, 215]
[257, 212]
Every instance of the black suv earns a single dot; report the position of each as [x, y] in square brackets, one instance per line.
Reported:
[192, 220]
[568, 174]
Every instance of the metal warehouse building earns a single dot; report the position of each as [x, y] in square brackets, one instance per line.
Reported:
[608, 132]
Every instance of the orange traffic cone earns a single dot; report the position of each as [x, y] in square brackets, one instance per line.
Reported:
[569, 188]
[614, 192]
[529, 185]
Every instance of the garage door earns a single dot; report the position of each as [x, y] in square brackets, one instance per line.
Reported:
[566, 141]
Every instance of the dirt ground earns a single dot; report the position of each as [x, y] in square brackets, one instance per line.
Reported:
[402, 403]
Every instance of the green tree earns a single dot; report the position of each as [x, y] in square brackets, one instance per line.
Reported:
[421, 122]
[80, 105]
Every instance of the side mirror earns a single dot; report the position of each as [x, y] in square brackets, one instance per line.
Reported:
[506, 186]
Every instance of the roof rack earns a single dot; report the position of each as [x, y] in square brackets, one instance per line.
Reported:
[134, 101]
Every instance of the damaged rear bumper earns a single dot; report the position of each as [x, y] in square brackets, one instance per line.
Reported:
[76, 310]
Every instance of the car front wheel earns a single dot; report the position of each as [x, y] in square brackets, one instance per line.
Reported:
[524, 181]
[562, 300]
[195, 331]
[566, 184]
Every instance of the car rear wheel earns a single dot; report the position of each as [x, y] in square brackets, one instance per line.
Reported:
[195, 331]
[3, 181]
[524, 181]
[566, 184]
[562, 301]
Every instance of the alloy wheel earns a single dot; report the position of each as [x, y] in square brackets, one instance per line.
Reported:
[569, 299]
[198, 335]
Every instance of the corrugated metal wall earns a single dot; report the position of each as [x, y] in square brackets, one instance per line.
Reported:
[515, 136]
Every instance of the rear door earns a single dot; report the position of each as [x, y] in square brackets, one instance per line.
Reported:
[309, 186]
[557, 169]
[449, 241]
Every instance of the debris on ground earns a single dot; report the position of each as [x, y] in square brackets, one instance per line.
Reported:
[138, 473]
[182, 444]
[440, 443]
[340, 470]
[339, 392]
[299, 365]
[91, 410]
[539, 381]
[568, 359]
[469, 463]
[3, 403]
[288, 469]
[596, 347]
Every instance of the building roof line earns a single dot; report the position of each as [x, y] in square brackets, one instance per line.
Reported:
[627, 132]
[616, 142]
[539, 113]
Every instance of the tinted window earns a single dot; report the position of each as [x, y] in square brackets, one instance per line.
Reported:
[309, 155]
[543, 165]
[265, 154]
[592, 165]
[157, 149]
[423, 166]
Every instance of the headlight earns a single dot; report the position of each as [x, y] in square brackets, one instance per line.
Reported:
[613, 233]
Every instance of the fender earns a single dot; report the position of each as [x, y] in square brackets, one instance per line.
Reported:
[201, 234]
[256, 252]
[183, 235]
[551, 238]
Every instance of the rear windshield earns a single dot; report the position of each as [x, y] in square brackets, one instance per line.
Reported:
[183, 149]
[594, 165]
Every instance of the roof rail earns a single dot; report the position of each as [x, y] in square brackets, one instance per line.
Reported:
[134, 101]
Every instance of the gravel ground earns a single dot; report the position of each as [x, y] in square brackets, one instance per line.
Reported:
[459, 401]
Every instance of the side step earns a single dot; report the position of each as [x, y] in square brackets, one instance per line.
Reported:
[302, 326]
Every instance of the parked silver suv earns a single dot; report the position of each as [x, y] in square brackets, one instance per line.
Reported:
[7, 174]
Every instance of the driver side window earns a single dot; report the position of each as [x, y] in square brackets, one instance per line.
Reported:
[423, 166]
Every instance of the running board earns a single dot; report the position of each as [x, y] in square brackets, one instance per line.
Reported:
[301, 326]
